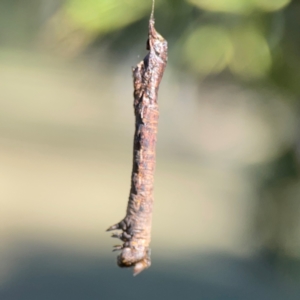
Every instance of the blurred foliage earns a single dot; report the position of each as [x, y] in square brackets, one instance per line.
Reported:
[252, 39]
[214, 47]
[252, 57]
[106, 15]
[207, 37]
[239, 6]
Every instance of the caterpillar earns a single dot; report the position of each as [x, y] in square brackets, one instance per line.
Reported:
[136, 225]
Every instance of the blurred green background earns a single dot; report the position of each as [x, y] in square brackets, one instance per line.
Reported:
[226, 221]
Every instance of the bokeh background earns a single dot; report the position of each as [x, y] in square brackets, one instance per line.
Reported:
[226, 221]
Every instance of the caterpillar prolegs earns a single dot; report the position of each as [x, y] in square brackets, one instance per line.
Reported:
[136, 226]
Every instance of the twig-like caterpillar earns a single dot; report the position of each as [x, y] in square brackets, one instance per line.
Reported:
[136, 226]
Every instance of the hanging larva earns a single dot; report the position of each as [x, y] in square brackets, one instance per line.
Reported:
[136, 225]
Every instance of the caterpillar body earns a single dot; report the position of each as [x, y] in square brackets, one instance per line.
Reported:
[136, 225]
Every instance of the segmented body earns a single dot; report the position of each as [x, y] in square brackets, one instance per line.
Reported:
[136, 226]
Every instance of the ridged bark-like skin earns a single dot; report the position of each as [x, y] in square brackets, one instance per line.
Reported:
[136, 226]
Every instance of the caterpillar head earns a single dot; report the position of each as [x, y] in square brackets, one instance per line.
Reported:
[138, 258]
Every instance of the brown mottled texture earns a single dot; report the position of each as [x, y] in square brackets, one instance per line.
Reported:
[136, 226]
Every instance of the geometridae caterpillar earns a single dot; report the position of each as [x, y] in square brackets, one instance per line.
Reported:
[136, 226]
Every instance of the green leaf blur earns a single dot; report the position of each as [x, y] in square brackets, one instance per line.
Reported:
[106, 15]
[252, 58]
[239, 6]
[208, 50]
[212, 40]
